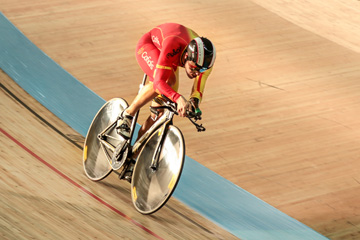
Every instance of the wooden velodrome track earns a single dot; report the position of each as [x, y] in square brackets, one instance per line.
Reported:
[281, 110]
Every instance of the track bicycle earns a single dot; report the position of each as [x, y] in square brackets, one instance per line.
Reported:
[160, 152]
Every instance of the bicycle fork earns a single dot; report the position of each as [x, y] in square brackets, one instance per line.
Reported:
[162, 131]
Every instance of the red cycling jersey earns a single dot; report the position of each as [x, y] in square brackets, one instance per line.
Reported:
[159, 54]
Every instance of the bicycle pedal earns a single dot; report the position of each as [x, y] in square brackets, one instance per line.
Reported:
[126, 174]
[128, 178]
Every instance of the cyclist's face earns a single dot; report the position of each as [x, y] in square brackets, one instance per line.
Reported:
[191, 70]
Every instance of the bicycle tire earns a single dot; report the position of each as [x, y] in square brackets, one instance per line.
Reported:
[150, 190]
[95, 162]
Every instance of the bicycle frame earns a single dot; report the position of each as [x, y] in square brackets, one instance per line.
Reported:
[163, 122]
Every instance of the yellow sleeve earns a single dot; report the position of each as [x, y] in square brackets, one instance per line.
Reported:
[199, 84]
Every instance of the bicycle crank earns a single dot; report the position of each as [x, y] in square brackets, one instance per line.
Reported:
[119, 155]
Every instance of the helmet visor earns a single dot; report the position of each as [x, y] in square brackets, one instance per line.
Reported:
[197, 68]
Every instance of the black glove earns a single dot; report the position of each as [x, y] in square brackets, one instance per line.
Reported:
[194, 104]
[192, 108]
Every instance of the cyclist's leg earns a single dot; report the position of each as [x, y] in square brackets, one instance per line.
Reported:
[146, 94]
[147, 55]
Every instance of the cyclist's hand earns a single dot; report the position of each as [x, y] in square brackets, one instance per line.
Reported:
[192, 108]
[181, 106]
[192, 105]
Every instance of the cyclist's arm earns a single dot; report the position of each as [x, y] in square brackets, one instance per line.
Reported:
[199, 85]
[161, 75]
[170, 53]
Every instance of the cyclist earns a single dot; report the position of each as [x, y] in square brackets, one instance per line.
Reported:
[160, 53]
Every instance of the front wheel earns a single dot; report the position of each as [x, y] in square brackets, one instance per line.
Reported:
[152, 188]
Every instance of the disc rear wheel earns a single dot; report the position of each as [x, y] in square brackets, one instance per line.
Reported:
[96, 157]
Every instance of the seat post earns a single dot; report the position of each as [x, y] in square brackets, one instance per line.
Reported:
[134, 121]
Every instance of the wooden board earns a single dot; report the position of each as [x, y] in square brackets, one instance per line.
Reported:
[281, 107]
[46, 195]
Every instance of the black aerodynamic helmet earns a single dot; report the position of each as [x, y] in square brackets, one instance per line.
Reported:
[202, 52]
